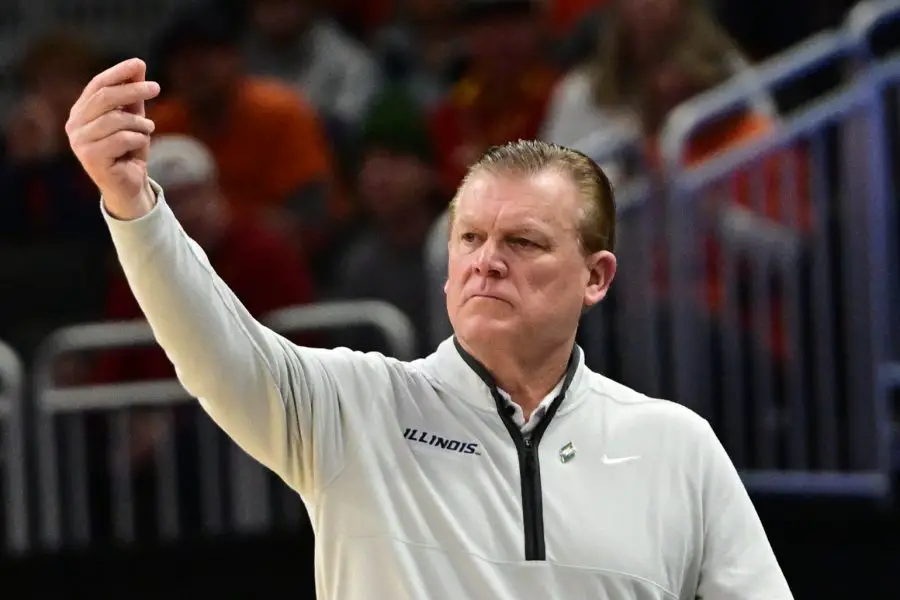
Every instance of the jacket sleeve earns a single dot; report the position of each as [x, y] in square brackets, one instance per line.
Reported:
[283, 404]
[738, 562]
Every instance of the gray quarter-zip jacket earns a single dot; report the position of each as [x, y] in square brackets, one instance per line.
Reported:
[419, 483]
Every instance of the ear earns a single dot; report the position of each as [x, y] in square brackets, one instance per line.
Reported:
[601, 271]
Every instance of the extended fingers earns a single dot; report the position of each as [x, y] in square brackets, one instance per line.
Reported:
[133, 69]
[114, 146]
[110, 123]
[109, 99]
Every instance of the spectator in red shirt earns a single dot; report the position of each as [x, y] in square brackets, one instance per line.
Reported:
[506, 90]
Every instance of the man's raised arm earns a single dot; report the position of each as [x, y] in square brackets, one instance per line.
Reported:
[256, 385]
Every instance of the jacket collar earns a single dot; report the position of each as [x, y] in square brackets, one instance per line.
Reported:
[459, 371]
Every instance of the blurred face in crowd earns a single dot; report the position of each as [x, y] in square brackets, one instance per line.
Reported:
[390, 184]
[203, 76]
[668, 86]
[505, 46]
[58, 85]
[35, 128]
[649, 25]
[200, 210]
[279, 21]
[397, 191]
[517, 270]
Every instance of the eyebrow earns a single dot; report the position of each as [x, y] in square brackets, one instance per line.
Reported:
[518, 229]
[527, 230]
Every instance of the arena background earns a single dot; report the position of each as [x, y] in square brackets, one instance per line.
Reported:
[769, 136]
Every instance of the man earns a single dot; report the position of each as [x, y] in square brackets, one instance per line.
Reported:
[497, 467]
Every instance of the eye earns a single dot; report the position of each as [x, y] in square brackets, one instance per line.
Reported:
[468, 237]
[522, 242]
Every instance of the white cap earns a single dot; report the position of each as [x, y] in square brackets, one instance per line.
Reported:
[177, 160]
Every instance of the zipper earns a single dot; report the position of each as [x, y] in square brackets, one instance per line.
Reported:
[532, 510]
[529, 478]
[527, 450]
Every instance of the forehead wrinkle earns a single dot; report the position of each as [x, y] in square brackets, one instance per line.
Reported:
[515, 208]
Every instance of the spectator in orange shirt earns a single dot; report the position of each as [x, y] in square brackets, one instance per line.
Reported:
[505, 91]
[268, 142]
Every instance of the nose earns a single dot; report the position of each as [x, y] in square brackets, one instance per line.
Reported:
[489, 262]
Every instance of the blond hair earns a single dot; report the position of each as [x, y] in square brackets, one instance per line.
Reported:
[597, 229]
[698, 41]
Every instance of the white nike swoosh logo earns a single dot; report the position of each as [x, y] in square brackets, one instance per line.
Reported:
[615, 461]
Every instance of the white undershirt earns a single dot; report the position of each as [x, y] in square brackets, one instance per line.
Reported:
[518, 416]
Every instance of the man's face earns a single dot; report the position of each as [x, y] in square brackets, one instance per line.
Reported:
[517, 271]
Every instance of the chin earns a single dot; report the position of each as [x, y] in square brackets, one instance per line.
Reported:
[484, 328]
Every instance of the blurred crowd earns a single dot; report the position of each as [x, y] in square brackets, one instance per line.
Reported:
[311, 146]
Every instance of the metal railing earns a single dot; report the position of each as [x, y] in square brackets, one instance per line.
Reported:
[249, 484]
[882, 73]
[619, 335]
[792, 238]
[13, 494]
[816, 420]
[804, 408]
[864, 22]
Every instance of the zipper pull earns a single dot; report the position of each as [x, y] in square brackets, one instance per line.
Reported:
[529, 455]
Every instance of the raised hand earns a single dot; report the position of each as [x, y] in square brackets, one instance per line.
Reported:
[110, 134]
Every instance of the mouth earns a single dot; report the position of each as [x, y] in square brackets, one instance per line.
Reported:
[488, 297]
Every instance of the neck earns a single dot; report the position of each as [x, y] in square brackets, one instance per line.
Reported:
[526, 378]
